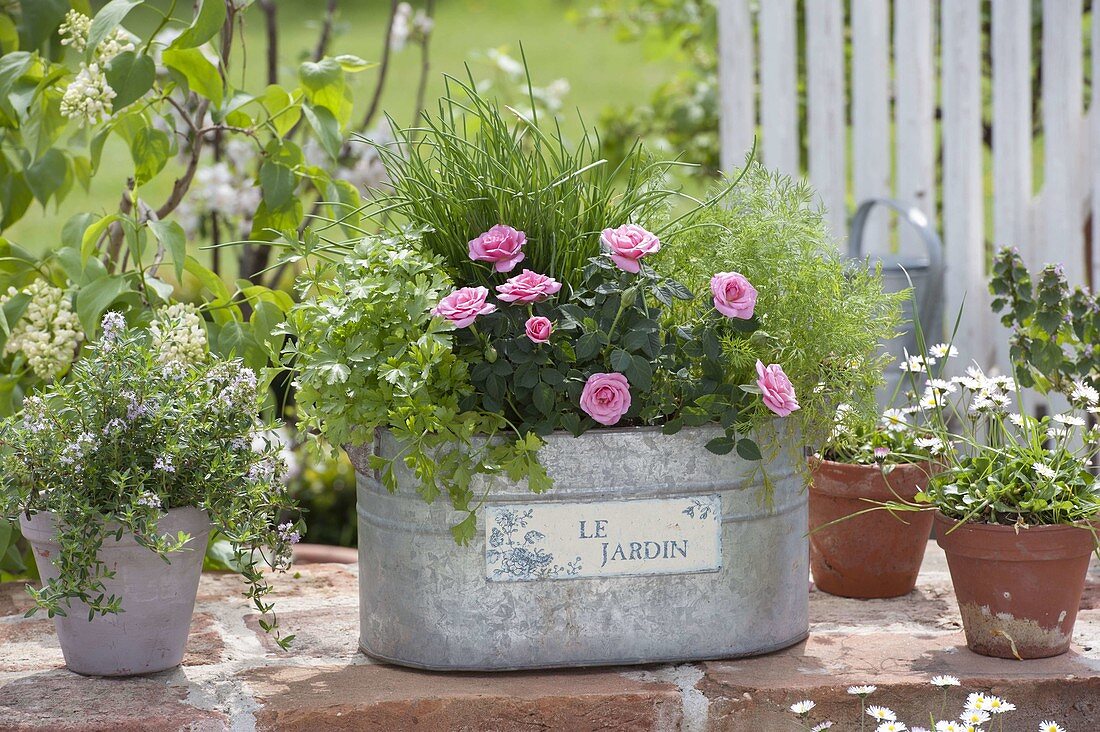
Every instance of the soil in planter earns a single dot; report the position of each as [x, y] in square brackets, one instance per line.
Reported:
[875, 554]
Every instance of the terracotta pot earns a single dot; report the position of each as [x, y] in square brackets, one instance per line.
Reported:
[1018, 592]
[874, 555]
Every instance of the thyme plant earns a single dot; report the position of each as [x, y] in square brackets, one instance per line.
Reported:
[135, 431]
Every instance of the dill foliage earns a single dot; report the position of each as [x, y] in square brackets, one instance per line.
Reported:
[822, 316]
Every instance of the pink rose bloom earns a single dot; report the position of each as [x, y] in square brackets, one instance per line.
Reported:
[528, 287]
[776, 389]
[501, 245]
[463, 306]
[606, 397]
[734, 296]
[627, 244]
[539, 328]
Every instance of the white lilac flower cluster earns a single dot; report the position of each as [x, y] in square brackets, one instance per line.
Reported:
[48, 334]
[89, 97]
[74, 30]
[550, 97]
[225, 188]
[978, 710]
[360, 164]
[74, 34]
[179, 335]
[409, 26]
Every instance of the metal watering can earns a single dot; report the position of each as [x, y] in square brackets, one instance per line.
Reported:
[926, 273]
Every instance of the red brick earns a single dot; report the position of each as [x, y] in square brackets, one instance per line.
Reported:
[379, 697]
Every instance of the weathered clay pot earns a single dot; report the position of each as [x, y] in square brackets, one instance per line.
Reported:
[876, 554]
[158, 597]
[1018, 592]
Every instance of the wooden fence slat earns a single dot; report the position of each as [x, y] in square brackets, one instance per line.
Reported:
[1094, 119]
[828, 130]
[778, 100]
[871, 112]
[736, 82]
[1012, 177]
[963, 202]
[914, 109]
[1062, 175]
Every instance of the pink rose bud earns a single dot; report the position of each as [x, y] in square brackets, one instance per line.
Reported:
[501, 245]
[606, 397]
[776, 389]
[463, 306]
[539, 328]
[734, 296]
[627, 244]
[528, 287]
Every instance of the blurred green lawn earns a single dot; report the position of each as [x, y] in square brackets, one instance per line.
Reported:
[600, 70]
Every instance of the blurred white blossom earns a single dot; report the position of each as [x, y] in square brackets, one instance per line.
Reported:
[48, 333]
[179, 335]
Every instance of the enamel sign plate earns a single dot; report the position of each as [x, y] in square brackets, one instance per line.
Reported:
[552, 541]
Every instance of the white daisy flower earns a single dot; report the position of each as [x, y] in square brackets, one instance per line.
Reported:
[802, 708]
[882, 714]
[916, 364]
[933, 445]
[1044, 471]
[1018, 419]
[943, 350]
[942, 681]
[1056, 433]
[1050, 726]
[1083, 393]
[942, 386]
[974, 716]
[1069, 419]
[981, 403]
[948, 726]
[894, 420]
[968, 382]
[821, 727]
[891, 727]
[976, 701]
[997, 705]
[862, 690]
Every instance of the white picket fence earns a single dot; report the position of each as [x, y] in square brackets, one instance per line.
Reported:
[897, 156]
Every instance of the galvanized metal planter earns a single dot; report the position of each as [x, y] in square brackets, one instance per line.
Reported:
[647, 549]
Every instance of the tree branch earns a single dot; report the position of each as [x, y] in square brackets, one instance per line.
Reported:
[326, 31]
[268, 6]
[116, 234]
[425, 64]
[183, 183]
[383, 69]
